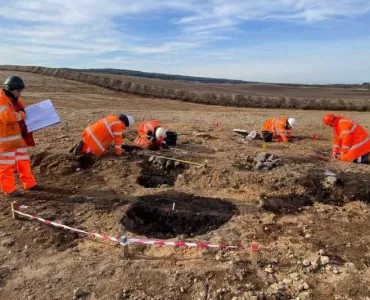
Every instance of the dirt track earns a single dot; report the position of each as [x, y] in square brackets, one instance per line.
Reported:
[289, 210]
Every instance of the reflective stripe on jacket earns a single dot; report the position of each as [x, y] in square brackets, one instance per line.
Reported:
[10, 131]
[351, 139]
[99, 135]
[144, 130]
[278, 127]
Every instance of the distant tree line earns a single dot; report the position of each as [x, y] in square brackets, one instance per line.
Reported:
[160, 76]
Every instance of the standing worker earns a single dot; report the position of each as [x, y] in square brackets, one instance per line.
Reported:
[151, 135]
[14, 139]
[97, 137]
[278, 128]
[351, 141]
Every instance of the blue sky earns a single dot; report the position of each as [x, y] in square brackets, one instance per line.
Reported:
[301, 41]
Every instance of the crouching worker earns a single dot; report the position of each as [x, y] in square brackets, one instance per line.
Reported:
[278, 128]
[14, 139]
[97, 137]
[351, 141]
[151, 136]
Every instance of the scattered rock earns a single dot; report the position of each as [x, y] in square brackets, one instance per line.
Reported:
[331, 181]
[7, 242]
[321, 252]
[306, 286]
[288, 281]
[324, 260]
[79, 292]
[269, 270]
[164, 186]
[294, 275]
[306, 262]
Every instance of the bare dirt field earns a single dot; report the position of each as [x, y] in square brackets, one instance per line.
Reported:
[253, 89]
[313, 232]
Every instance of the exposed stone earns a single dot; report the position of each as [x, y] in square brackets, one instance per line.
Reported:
[306, 286]
[164, 186]
[324, 260]
[306, 262]
[79, 292]
[7, 242]
[269, 270]
[321, 252]
[331, 181]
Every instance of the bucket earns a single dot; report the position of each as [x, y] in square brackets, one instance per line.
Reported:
[171, 138]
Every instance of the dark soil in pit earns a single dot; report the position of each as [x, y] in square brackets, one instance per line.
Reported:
[159, 171]
[286, 204]
[153, 216]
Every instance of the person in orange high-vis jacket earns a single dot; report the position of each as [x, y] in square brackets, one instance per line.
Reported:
[151, 135]
[278, 128]
[351, 142]
[14, 139]
[97, 137]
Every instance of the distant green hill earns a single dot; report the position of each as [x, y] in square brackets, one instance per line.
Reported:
[160, 76]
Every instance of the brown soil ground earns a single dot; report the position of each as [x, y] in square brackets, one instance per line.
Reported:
[295, 217]
[253, 89]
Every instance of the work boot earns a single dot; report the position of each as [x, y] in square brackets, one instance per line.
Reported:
[14, 194]
[35, 188]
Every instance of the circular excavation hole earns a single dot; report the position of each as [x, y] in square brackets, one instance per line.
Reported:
[154, 216]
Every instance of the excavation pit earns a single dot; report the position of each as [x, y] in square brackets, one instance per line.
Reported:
[155, 181]
[157, 172]
[172, 214]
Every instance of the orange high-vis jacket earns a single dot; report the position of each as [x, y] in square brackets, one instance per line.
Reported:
[351, 139]
[143, 130]
[99, 135]
[10, 131]
[278, 127]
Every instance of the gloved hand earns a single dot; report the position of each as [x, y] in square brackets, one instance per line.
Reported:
[335, 155]
[150, 138]
[164, 145]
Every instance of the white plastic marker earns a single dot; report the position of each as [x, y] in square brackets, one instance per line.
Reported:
[173, 206]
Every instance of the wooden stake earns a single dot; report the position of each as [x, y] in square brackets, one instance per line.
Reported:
[254, 254]
[179, 160]
[14, 206]
[124, 244]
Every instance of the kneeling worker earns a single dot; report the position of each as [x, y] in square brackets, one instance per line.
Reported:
[151, 135]
[278, 128]
[97, 137]
[351, 141]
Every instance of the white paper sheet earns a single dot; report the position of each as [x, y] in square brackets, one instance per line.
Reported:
[41, 115]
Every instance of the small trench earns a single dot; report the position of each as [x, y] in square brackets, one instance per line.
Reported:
[171, 214]
[159, 172]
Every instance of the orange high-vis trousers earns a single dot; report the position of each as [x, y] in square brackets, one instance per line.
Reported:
[10, 162]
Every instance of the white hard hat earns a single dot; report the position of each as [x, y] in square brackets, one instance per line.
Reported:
[292, 122]
[131, 120]
[160, 132]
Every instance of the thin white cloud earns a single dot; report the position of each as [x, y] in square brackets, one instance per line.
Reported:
[78, 32]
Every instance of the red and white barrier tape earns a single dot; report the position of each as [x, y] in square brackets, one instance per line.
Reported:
[131, 241]
[183, 244]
